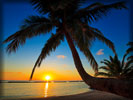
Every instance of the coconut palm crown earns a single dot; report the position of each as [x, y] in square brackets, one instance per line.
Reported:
[70, 20]
[116, 68]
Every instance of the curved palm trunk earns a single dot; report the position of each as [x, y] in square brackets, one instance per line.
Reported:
[120, 87]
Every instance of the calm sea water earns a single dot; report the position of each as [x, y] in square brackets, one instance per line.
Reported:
[35, 90]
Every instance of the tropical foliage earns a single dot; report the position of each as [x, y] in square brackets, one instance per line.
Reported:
[67, 17]
[116, 68]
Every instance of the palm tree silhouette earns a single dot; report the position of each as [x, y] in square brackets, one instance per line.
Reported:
[116, 68]
[71, 22]
[129, 64]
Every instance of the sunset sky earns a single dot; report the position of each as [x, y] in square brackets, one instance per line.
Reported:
[60, 65]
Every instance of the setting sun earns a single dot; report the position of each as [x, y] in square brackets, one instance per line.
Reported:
[47, 77]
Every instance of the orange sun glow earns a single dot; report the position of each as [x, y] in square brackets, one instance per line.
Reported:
[47, 77]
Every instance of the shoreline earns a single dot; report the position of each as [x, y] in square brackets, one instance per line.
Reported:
[91, 95]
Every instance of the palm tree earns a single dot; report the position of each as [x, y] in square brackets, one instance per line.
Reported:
[113, 67]
[71, 22]
[128, 69]
[116, 68]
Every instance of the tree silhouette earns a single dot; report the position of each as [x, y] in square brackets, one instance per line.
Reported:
[116, 68]
[71, 22]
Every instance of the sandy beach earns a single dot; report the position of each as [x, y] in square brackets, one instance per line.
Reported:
[93, 95]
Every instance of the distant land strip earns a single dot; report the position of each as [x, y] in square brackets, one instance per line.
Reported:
[5, 81]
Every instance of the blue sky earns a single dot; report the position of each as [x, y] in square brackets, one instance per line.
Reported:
[115, 26]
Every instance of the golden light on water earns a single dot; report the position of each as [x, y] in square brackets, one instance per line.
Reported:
[46, 90]
[47, 78]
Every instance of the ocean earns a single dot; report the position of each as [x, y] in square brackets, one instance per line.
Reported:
[39, 90]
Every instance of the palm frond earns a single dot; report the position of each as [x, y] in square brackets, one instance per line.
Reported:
[130, 44]
[105, 60]
[35, 20]
[50, 46]
[130, 58]
[13, 46]
[129, 50]
[99, 35]
[43, 6]
[88, 55]
[106, 68]
[93, 33]
[54, 6]
[110, 65]
[83, 13]
[123, 59]
[129, 63]
[83, 42]
[128, 72]
[111, 58]
[96, 12]
[103, 74]
[91, 59]
[33, 26]
[94, 5]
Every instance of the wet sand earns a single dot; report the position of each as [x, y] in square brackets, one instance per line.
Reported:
[93, 95]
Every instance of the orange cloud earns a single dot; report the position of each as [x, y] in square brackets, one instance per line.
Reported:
[100, 52]
[61, 56]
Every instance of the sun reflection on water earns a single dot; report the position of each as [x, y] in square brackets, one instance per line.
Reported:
[46, 90]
